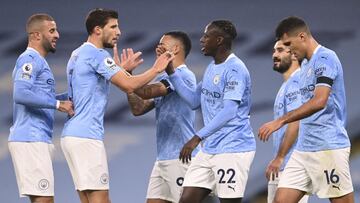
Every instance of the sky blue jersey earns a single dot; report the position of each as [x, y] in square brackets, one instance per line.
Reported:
[89, 71]
[34, 99]
[287, 99]
[229, 80]
[174, 118]
[325, 129]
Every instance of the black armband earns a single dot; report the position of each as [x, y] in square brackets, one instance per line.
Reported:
[167, 85]
[325, 80]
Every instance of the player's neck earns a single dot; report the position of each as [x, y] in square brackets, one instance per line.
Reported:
[95, 41]
[311, 48]
[221, 56]
[38, 48]
[290, 71]
[178, 61]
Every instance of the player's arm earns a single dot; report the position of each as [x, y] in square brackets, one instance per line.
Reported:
[27, 94]
[290, 136]
[129, 83]
[191, 95]
[224, 116]
[139, 106]
[325, 73]
[315, 104]
[158, 89]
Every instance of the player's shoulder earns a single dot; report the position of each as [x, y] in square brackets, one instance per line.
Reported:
[326, 55]
[29, 56]
[29, 59]
[236, 65]
[90, 50]
[185, 71]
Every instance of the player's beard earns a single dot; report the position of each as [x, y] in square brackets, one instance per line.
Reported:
[284, 65]
[107, 42]
[48, 47]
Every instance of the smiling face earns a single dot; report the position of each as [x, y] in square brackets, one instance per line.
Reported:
[110, 33]
[49, 36]
[281, 57]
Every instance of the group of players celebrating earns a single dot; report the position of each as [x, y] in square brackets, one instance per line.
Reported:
[310, 141]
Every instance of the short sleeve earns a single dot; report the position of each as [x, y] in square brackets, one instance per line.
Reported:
[27, 69]
[234, 84]
[104, 65]
[325, 70]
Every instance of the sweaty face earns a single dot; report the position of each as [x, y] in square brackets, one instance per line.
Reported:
[166, 43]
[49, 35]
[208, 41]
[110, 33]
[296, 44]
[281, 57]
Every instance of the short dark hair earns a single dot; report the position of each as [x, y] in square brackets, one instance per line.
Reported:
[290, 25]
[227, 27]
[184, 38]
[38, 17]
[99, 17]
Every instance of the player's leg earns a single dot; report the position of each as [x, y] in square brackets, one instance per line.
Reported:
[41, 199]
[83, 197]
[88, 166]
[330, 174]
[194, 194]
[98, 196]
[33, 169]
[158, 190]
[349, 198]
[199, 179]
[288, 195]
[295, 180]
[231, 174]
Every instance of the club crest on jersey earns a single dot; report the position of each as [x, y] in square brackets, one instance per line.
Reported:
[110, 63]
[309, 72]
[216, 79]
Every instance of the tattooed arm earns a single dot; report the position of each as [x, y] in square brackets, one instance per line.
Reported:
[138, 105]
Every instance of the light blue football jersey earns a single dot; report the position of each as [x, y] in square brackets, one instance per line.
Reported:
[228, 80]
[325, 129]
[287, 99]
[89, 71]
[33, 122]
[174, 118]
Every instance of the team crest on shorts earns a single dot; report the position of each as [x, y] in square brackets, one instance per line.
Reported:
[104, 179]
[180, 181]
[216, 79]
[110, 63]
[43, 184]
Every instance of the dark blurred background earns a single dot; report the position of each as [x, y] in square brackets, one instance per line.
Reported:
[130, 141]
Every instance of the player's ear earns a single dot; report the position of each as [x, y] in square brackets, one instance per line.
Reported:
[97, 30]
[176, 49]
[219, 40]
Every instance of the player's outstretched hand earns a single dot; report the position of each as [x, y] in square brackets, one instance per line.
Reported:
[67, 107]
[273, 168]
[188, 148]
[267, 129]
[128, 59]
[162, 61]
